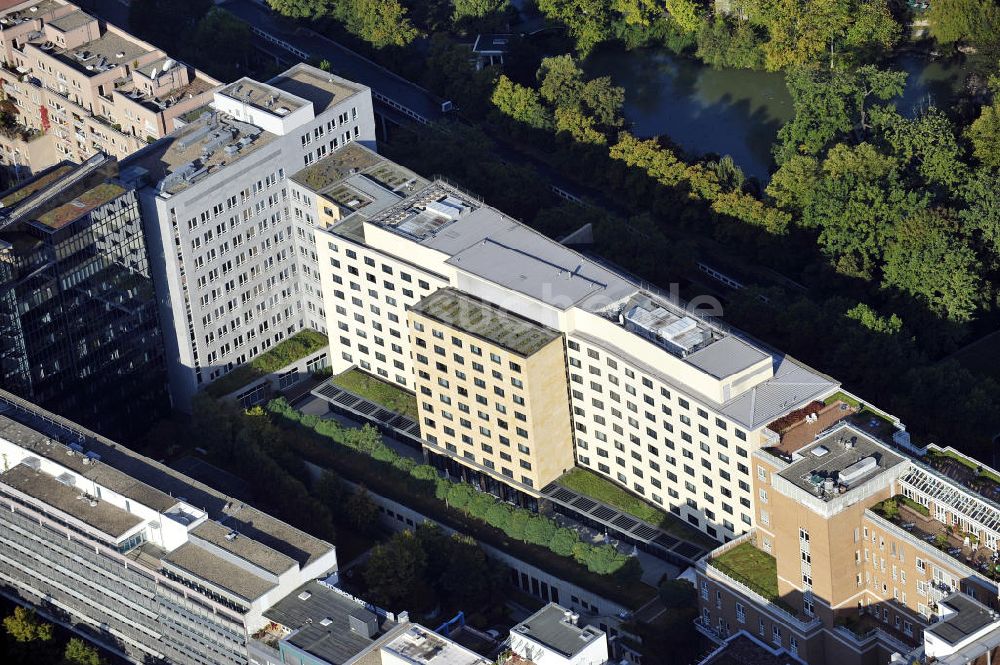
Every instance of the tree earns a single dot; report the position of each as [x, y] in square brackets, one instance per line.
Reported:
[678, 594]
[928, 260]
[479, 14]
[604, 101]
[79, 652]
[874, 26]
[800, 31]
[684, 13]
[307, 9]
[361, 511]
[224, 36]
[23, 625]
[587, 20]
[395, 571]
[831, 104]
[381, 23]
[926, 145]
[793, 186]
[579, 126]
[975, 21]
[521, 103]
[858, 199]
[984, 134]
[561, 81]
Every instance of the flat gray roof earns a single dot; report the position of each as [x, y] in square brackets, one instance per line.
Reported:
[201, 563]
[243, 547]
[969, 618]
[492, 324]
[726, 357]
[550, 627]
[71, 21]
[106, 518]
[153, 484]
[181, 153]
[305, 610]
[845, 455]
[313, 84]
[421, 646]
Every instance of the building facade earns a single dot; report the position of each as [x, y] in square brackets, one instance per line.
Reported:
[874, 553]
[96, 537]
[77, 306]
[661, 400]
[77, 86]
[234, 267]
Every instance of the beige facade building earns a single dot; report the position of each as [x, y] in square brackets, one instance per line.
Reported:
[492, 389]
[79, 86]
[871, 553]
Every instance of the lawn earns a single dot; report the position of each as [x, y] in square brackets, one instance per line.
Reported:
[751, 566]
[382, 392]
[589, 483]
[296, 347]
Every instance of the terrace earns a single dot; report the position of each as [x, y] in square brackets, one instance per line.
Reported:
[916, 519]
[381, 392]
[965, 471]
[590, 484]
[752, 567]
[866, 417]
[286, 352]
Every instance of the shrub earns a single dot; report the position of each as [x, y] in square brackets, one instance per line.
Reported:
[498, 516]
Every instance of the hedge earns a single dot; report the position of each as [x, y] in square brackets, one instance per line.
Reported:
[604, 569]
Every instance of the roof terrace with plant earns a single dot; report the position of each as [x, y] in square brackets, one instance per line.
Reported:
[492, 324]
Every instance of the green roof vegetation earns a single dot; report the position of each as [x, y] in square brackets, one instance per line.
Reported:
[889, 508]
[381, 392]
[296, 347]
[35, 185]
[964, 461]
[589, 483]
[93, 198]
[194, 114]
[492, 324]
[750, 566]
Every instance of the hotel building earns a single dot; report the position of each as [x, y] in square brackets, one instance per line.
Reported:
[139, 558]
[78, 86]
[430, 289]
[234, 265]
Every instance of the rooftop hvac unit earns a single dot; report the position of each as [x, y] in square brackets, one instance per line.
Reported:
[857, 470]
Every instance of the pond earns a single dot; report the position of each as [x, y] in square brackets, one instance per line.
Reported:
[735, 112]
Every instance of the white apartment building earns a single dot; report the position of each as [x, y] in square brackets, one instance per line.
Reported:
[664, 402]
[234, 268]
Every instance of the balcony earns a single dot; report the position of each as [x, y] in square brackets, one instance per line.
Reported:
[866, 629]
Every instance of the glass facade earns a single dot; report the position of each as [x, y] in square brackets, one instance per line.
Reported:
[78, 320]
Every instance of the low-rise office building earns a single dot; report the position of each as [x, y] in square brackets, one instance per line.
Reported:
[136, 556]
[78, 317]
[79, 86]
[234, 265]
